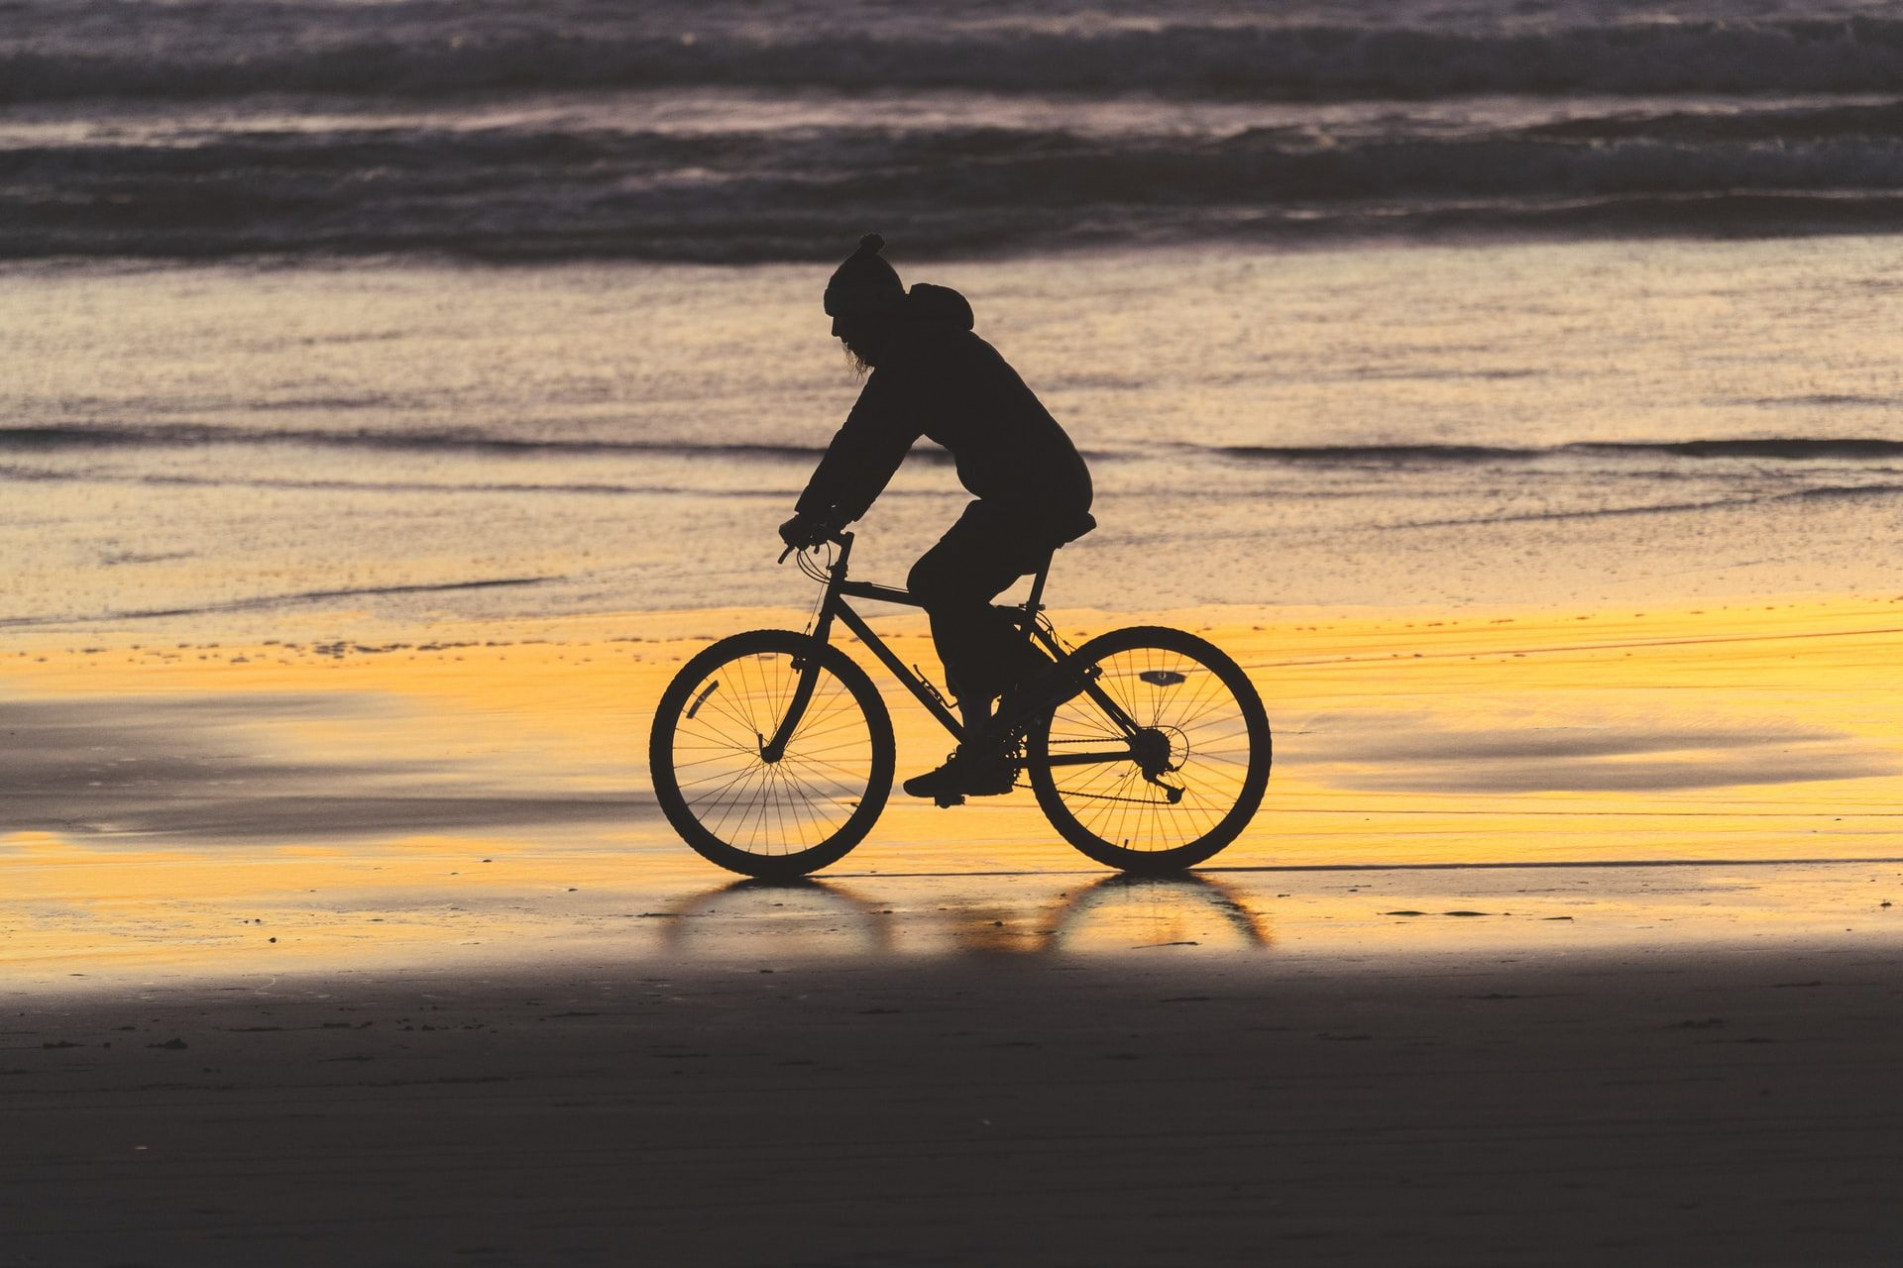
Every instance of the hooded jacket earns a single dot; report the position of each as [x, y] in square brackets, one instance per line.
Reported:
[939, 380]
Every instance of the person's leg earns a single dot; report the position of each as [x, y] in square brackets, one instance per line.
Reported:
[956, 581]
[982, 650]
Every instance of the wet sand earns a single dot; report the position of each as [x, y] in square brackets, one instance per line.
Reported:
[177, 807]
[1563, 938]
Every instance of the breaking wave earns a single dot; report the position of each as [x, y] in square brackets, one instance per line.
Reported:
[744, 196]
[1766, 449]
[64, 437]
[1784, 449]
[430, 48]
[727, 132]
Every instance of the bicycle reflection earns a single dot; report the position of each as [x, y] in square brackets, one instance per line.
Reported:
[1139, 912]
[801, 917]
[829, 919]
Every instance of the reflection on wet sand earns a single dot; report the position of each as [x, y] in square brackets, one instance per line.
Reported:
[76, 917]
[795, 918]
[173, 813]
[1143, 912]
[818, 919]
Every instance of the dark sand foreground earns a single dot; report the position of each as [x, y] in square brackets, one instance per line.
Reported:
[1737, 1106]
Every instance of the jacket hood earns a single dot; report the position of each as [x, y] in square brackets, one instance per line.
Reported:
[940, 305]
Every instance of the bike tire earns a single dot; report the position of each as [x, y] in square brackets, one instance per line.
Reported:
[1186, 691]
[771, 820]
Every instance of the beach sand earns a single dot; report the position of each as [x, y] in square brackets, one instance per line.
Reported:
[1562, 937]
[1665, 1107]
[387, 379]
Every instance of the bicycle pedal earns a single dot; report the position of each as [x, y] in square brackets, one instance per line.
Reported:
[946, 800]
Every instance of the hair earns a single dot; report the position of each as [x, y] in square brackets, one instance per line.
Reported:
[860, 336]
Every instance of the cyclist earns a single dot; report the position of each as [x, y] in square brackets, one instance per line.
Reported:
[931, 376]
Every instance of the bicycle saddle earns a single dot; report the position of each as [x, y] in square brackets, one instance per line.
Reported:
[1068, 532]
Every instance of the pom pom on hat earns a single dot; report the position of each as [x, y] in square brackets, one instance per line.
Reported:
[865, 285]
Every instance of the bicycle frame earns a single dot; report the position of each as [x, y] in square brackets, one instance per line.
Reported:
[833, 607]
[792, 767]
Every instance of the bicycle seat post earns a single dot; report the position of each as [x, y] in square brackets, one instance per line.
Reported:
[1037, 588]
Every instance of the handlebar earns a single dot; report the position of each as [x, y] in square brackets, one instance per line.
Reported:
[837, 538]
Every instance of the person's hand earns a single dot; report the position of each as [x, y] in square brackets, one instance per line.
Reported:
[803, 531]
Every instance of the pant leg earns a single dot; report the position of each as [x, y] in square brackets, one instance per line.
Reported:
[956, 580]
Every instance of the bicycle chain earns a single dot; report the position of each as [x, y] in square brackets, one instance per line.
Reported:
[1134, 801]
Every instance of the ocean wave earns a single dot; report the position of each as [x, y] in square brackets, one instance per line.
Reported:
[1847, 492]
[1774, 449]
[97, 437]
[740, 197]
[28, 439]
[266, 602]
[424, 48]
[1829, 493]
[1779, 123]
[1589, 513]
[406, 487]
[1381, 455]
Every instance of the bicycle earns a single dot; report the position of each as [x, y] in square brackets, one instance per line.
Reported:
[772, 751]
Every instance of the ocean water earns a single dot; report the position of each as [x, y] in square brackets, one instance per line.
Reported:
[739, 131]
[407, 312]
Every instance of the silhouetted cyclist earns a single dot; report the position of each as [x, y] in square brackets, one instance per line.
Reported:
[931, 376]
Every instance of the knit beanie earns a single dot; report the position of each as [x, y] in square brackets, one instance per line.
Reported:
[865, 285]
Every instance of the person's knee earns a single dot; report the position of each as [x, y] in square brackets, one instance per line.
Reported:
[937, 583]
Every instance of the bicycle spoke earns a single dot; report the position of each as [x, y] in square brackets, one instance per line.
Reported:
[717, 763]
[1172, 697]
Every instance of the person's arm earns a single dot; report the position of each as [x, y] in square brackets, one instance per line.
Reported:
[864, 452]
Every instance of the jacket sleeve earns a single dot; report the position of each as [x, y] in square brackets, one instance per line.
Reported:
[865, 451]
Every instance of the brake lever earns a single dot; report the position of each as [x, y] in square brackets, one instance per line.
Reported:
[832, 538]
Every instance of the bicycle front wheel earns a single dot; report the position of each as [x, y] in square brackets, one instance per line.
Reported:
[773, 817]
[1160, 760]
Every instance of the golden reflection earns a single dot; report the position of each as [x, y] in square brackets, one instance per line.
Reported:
[1116, 913]
[482, 790]
[1022, 917]
[798, 918]
[1152, 911]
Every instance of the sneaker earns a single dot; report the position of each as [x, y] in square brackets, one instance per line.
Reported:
[962, 776]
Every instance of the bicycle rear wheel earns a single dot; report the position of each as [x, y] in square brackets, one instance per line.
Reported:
[1161, 760]
[784, 817]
